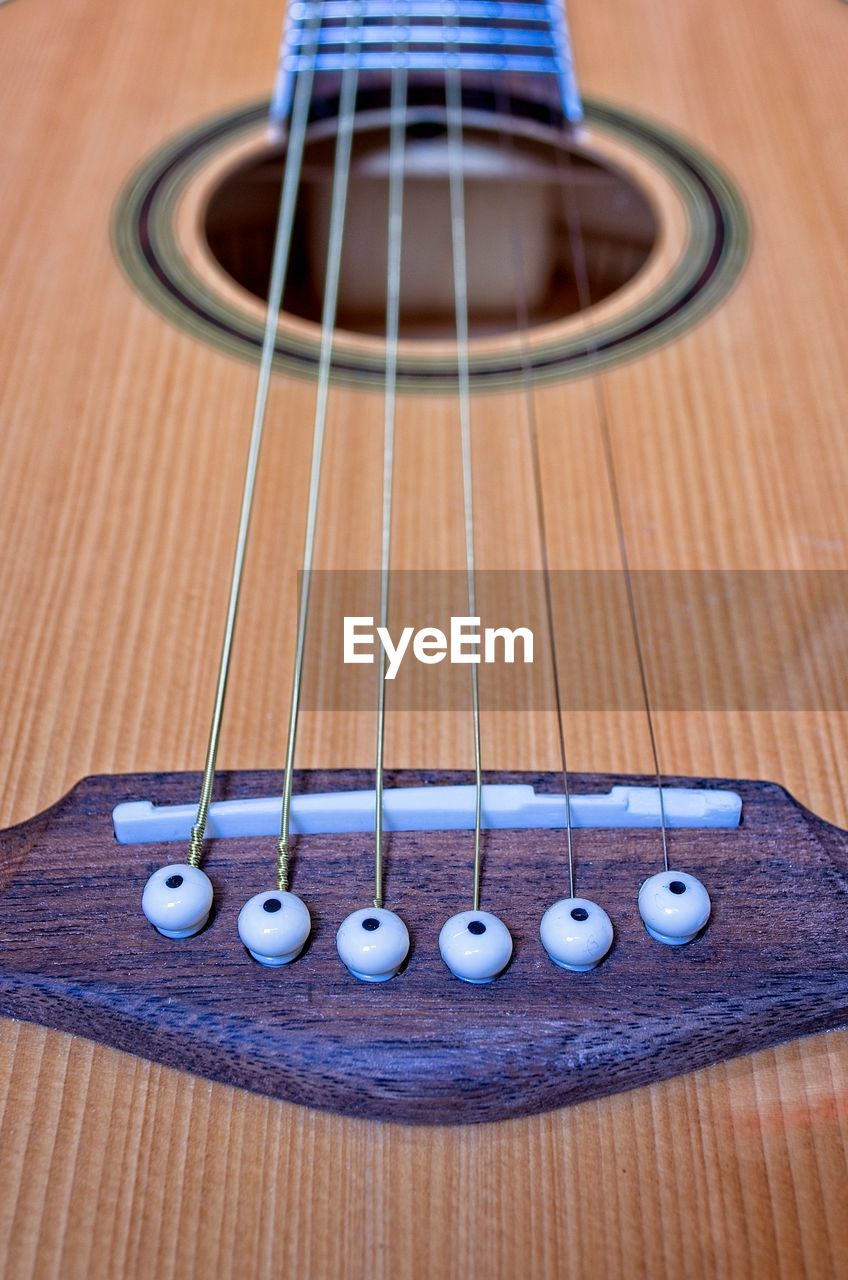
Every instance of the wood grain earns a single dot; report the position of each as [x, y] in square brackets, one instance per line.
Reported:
[426, 1049]
[121, 443]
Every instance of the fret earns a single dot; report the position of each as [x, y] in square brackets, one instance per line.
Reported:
[434, 61]
[369, 10]
[392, 36]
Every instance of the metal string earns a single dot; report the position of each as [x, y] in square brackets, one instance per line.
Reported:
[453, 99]
[341, 173]
[581, 274]
[507, 148]
[279, 269]
[397, 144]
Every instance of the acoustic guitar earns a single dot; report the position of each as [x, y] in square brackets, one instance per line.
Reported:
[424, 639]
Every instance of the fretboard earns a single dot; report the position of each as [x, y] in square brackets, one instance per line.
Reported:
[523, 45]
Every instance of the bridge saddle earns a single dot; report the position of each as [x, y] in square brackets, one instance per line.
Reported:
[506, 806]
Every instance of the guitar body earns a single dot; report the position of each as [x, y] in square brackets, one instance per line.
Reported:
[123, 437]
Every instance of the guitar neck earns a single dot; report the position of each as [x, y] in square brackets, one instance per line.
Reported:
[518, 48]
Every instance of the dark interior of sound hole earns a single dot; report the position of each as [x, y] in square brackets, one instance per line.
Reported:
[516, 217]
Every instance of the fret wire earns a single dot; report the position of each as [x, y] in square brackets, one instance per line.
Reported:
[434, 60]
[279, 270]
[341, 174]
[499, 37]
[507, 147]
[370, 10]
[397, 144]
[453, 98]
[581, 276]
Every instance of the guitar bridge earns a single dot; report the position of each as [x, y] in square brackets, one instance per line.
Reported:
[79, 955]
[506, 807]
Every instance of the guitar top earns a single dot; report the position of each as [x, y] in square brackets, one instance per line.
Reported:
[422, 515]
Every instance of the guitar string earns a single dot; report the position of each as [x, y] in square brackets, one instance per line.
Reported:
[279, 271]
[300, 113]
[522, 314]
[456, 180]
[341, 174]
[579, 260]
[397, 145]
[581, 274]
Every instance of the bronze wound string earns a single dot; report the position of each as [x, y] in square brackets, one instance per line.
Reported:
[397, 145]
[341, 174]
[279, 271]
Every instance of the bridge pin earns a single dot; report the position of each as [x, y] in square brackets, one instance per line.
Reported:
[373, 943]
[274, 927]
[576, 934]
[674, 907]
[476, 946]
[177, 900]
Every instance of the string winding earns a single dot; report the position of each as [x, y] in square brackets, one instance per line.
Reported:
[397, 143]
[341, 174]
[279, 271]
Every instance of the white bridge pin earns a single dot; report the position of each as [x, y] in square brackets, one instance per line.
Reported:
[576, 934]
[177, 900]
[373, 943]
[674, 907]
[476, 946]
[274, 926]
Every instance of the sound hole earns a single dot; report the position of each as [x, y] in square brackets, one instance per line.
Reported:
[516, 216]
